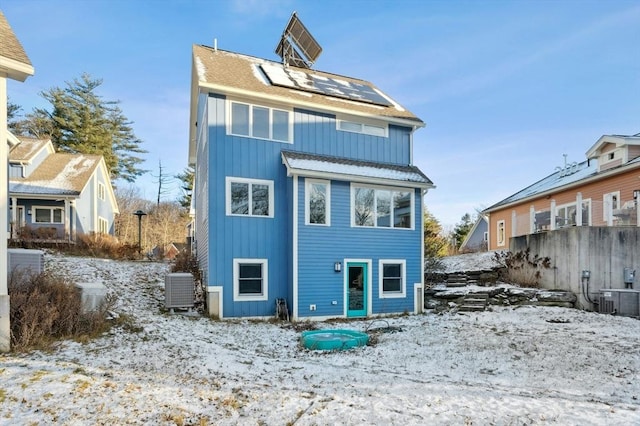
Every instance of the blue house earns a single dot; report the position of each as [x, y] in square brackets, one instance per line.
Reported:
[56, 196]
[304, 191]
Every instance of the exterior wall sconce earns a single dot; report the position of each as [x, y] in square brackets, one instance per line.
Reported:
[337, 267]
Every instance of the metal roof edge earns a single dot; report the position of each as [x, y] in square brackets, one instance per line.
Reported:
[622, 169]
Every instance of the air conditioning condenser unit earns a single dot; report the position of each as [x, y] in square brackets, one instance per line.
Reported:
[25, 261]
[620, 301]
[179, 290]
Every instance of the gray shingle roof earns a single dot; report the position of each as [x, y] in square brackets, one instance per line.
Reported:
[230, 70]
[10, 46]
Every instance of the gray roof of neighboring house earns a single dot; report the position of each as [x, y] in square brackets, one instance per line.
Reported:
[328, 166]
[27, 148]
[578, 172]
[58, 174]
[555, 180]
[234, 71]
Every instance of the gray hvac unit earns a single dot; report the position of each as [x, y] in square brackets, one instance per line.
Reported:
[26, 261]
[179, 290]
[625, 302]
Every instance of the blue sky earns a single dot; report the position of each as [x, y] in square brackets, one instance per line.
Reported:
[505, 87]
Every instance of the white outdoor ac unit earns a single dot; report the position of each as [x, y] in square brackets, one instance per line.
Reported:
[26, 261]
[179, 290]
[625, 302]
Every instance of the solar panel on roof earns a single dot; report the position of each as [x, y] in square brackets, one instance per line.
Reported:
[301, 80]
[297, 46]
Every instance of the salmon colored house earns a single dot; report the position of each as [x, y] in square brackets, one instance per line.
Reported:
[601, 191]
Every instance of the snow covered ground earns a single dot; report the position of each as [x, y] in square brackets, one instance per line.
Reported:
[530, 365]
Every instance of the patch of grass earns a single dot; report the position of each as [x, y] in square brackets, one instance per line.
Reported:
[3, 395]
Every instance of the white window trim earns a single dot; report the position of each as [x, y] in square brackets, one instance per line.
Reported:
[502, 242]
[105, 222]
[307, 199]
[50, 208]
[102, 190]
[363, 126]
[380, 188]
[231, 179]
[392, 295]
[237, 297]
[229, 116]
[609, 211]
[573, 204]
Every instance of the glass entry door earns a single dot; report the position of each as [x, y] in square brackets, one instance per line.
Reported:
[357, 289]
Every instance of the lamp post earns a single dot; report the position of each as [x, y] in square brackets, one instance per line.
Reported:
[139, 213]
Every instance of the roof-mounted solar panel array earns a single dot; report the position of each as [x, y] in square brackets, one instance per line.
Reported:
[297, 46]
[315, 83]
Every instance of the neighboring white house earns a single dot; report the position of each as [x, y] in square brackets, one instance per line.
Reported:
[56, 196]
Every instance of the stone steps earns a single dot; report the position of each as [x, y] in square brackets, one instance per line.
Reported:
[475, 302]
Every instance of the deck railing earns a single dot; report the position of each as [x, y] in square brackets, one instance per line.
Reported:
[611, 212]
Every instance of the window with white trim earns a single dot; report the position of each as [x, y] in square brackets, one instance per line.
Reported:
[250, 279]
[381, 207]
[249, 197]
[318, 202]
[101, 191]
[392, 278]
[365, 128]
[103, 225]
[500, 233]
[48, 215]
[566, 214]
[260, 122]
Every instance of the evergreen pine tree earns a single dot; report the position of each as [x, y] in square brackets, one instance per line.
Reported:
[85, 123]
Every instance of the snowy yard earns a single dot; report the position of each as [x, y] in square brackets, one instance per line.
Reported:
[529, 365]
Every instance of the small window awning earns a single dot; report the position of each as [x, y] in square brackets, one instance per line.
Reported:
[340, 168]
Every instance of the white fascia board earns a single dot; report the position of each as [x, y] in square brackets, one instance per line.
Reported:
[14, 69]
[224, 90]
[193, 112]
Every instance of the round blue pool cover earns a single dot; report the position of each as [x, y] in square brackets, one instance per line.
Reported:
[333, 340]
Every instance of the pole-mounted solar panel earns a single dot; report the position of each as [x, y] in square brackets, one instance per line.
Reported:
[297, 46]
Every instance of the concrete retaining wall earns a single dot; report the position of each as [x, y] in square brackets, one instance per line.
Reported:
[604, 251]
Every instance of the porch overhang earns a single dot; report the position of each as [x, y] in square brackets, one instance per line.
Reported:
[345, 169]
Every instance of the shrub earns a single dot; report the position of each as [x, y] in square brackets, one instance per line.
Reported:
[45, 308]
[520, 268]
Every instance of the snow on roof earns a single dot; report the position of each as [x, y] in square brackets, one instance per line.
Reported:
[302, 163]
[556, 180]
[27, 148]
[237, 72]
[64, 174]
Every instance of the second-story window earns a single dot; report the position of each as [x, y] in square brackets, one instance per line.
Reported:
[260, 122]
[249, 197]
[360, 127]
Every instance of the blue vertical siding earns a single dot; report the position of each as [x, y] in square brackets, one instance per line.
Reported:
[232, 237]
[235, 237]
[320, 247]
[317, 133]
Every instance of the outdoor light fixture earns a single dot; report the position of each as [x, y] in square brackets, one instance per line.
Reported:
[139, 213]
[337, 266]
